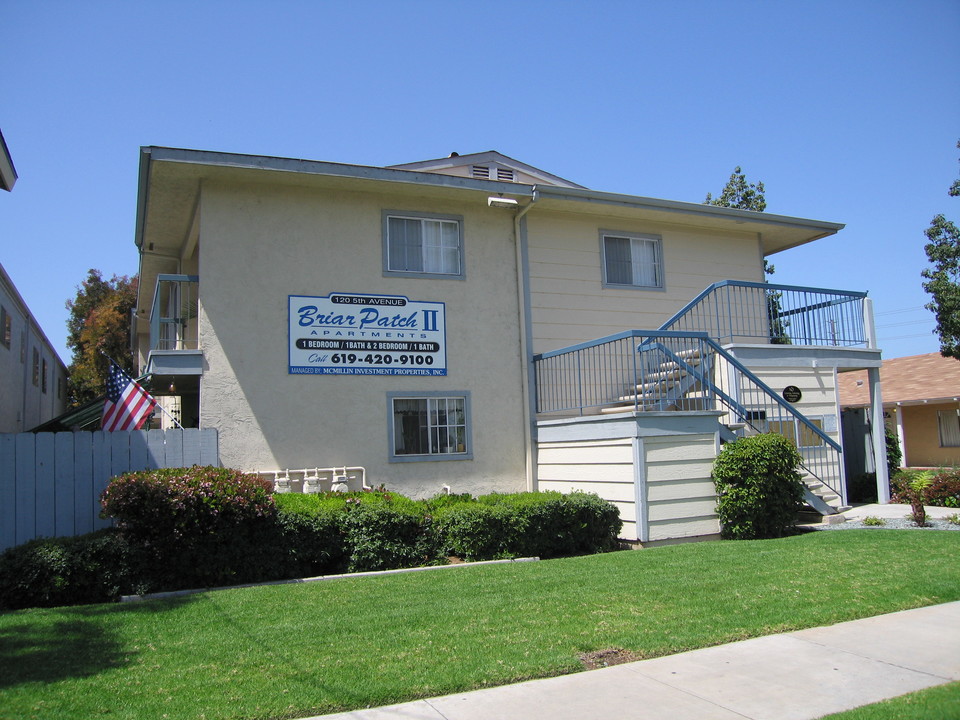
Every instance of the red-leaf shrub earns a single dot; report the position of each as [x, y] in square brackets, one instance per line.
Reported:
[202, 526]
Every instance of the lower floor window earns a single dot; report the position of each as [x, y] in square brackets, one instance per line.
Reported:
[949, 423]
[429, 426]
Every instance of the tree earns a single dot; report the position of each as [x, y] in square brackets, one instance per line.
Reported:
[98, 327]
[943, 285]
[740, 194]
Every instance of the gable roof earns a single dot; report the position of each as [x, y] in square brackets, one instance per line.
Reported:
[912, 380]
[490, 165]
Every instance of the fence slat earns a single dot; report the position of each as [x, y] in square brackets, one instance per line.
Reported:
[191, 449]
[8, 491]
[84, 497]
[209, 451]
[173, 443]
[50, 483]
[64, 484]
[26, 484]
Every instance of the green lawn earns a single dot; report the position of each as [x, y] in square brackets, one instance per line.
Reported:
[296, 650]
[937, 703]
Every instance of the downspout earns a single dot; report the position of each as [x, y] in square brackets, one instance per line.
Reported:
[524, 345]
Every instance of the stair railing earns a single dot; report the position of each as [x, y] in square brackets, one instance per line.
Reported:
[738, 311]
[633, 369]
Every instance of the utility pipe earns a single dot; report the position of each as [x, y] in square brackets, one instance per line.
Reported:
[524, 350]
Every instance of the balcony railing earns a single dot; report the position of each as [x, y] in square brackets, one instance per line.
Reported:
[173, 315]
[747, 312]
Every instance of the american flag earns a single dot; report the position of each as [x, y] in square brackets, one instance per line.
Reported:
[128, 405]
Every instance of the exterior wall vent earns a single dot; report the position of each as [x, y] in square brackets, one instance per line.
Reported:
[480, 171]
[505, 174]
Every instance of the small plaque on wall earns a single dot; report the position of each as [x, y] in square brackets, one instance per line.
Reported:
[792, 394]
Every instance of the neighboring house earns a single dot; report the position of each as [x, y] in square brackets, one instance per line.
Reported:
[921, 400]
[33, 379]
[470, 324]
[8, 173]
[32, 376]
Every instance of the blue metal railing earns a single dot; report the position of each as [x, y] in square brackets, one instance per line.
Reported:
[737, 311]
[650, 370]
[173, 315]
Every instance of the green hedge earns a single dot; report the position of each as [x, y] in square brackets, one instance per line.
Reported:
[208, 527]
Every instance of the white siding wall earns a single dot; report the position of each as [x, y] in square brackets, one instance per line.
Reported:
[569, 304]
[654, 467]
[23, 404]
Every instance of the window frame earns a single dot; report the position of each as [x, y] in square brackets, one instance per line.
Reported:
[463, 395]
[36, 367]
[6, 328]
[387, 215]
[657, 241]
[941, 414]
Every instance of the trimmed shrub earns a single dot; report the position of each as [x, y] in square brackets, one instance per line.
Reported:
[544, 524]
[198, 526]
[478, 531]
[48, 572]
[758, 487]
[384, 537]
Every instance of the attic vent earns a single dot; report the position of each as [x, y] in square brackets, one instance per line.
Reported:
[505, 174]
[480, 171]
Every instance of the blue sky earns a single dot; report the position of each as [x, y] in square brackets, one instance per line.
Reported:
[848, 111]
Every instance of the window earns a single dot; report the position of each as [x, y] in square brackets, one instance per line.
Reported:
[632, 260]
[43, 377]
[6, 327]
[949, 423]
[429, 426]
[36, 367]
[799, 434]
[423, 245]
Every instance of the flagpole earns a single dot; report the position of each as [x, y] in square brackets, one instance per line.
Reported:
[158, 405]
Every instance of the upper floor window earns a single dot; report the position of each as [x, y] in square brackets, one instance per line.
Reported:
[43, 376]
[36, 367]
[632, 260]
[6, 327]
[423, 245]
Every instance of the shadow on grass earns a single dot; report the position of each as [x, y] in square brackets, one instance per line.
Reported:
[66, 643]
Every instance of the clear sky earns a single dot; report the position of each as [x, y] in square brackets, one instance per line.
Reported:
[847, 110]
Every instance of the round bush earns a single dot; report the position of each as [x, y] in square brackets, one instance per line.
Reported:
[758, 487]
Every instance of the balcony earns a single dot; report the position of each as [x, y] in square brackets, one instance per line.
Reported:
[174, 333]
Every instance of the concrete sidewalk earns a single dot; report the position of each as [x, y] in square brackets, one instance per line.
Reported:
[794, 676]
[859, 512]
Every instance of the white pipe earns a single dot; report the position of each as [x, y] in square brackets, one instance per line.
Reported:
[524, 352]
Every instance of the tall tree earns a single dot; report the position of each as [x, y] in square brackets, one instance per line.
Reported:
[943, 279]
[98, 327]
[740, 194]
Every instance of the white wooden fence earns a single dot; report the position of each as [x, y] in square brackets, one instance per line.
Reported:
[50, 483]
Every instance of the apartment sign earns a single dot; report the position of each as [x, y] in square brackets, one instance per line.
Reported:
[361, 334]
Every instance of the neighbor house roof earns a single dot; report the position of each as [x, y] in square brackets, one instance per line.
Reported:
[8, 173]
[912, 380]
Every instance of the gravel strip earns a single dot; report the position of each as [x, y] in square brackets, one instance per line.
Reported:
[889, 524]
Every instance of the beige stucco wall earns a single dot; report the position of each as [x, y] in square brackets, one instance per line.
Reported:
[568, 302]
[922, 437]
[259, 244]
